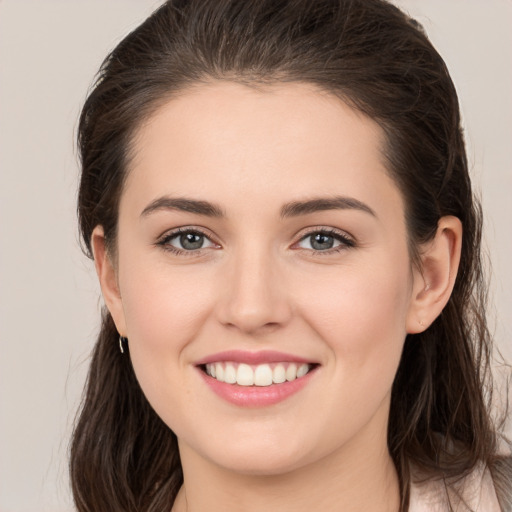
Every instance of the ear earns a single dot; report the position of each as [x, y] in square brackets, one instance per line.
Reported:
[108, 279]
[433, 282]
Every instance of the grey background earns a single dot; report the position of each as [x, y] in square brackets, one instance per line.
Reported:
[49, 299]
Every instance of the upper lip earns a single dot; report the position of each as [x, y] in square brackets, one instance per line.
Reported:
[254, 358]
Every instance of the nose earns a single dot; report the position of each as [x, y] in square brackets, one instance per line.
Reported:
[254, 297]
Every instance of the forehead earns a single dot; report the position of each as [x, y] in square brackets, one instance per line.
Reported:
[230, 142]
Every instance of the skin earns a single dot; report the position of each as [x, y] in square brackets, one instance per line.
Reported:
[258, 284]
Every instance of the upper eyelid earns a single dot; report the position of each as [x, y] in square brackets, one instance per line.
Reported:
[171, 233]
[164, 241]
[346, 241]
[325, 229]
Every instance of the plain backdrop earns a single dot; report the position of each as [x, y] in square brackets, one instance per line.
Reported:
[49, 299]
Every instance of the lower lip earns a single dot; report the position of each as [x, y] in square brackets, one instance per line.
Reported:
[256, 396]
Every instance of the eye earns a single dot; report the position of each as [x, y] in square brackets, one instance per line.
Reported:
[325, 240]
[186, 240]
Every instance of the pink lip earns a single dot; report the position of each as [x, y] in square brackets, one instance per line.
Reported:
[261, 357]
[256, 396]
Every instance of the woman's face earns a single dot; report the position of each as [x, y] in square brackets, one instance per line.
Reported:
[261, 237]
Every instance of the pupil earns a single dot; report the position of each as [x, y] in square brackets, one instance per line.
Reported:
[322, 242]
[191, 241]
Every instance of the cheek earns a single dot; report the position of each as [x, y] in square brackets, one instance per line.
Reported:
[361, 316]
[351, 302]
[164, 312]
[361, 321]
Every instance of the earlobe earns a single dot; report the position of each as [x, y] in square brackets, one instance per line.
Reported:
[108, 279]
[433, 283]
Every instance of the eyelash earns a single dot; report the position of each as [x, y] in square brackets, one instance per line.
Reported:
[164, 241]
[346, 242]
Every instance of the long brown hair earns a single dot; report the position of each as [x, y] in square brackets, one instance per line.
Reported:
[376, 59]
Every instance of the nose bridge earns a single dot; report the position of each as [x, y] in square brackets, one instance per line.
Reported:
[254, 293]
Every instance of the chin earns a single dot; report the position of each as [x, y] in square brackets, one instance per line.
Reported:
[263, 459]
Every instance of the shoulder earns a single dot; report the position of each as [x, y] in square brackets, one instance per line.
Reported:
[473, 493]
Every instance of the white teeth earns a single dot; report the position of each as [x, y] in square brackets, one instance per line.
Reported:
[258, 375]
[230, 374]
[263, 375]
[303, 369]
[291, 372]
[219, 372]
[244, 375]
[279, 374]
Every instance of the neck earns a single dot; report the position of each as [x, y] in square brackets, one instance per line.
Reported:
[359, 476]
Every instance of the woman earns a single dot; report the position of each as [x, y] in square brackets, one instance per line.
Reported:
[277, 200]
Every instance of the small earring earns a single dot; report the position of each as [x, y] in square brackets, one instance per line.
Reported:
[122, 341]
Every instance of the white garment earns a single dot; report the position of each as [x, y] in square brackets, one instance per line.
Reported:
[475, 493]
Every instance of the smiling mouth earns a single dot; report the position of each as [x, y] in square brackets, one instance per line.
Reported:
[261, 375]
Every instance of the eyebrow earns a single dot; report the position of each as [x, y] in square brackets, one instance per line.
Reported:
[297, 208]
[185, 205]
[292, 209]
